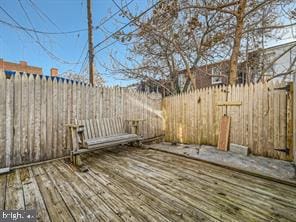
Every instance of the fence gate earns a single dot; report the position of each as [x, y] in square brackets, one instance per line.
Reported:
[263, 121]
[287, 90]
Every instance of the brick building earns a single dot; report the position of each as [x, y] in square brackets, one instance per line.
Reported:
[207, 75]
[22, 66]
[249, 70]
[10, 68]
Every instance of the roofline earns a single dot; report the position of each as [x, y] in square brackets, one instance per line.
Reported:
[227, 60]
[275, 46]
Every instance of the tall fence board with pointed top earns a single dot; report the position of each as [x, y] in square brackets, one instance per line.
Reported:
[263, 121]
[34, 111]
[293, 99]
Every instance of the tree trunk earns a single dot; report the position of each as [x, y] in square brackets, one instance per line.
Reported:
[188, 74]
[237, 41]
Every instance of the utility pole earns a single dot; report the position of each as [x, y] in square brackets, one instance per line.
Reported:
[90, 42]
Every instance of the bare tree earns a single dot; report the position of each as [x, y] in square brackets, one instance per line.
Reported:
[84, 77]
[173, 39]
[184, 34]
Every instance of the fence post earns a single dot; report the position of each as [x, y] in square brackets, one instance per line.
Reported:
[294, 117]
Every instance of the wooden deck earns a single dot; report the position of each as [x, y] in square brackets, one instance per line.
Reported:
[145, 185]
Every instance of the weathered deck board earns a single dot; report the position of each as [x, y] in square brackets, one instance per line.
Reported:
[135, 194]
[145, 185]
[2, 191]
[146, 210]
[205, 182]
[14, 193]
[56, 207]
[85, 186]
[211, 203]
[78, 205]
[32, 196]
[180, 208]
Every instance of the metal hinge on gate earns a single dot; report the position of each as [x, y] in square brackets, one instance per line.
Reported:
[287, 88]
[284, 150]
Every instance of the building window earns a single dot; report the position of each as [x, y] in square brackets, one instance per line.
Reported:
[216, 76]
[241, 78]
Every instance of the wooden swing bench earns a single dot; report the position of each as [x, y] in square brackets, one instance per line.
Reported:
[93, 134]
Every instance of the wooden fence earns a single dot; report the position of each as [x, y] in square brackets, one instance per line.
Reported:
[263, 122]
[34, 111]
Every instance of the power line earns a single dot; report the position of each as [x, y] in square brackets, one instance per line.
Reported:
[120, 29]
[112, 43]
[120, 9]
[37, 41]
[101, 24]
[132, 21]
[79, 58]
[45, 15]
[101, 49]
[126, 25]
[111, 16]
[85, 59]
[28, 18]
[27, 30]
[39, 31]
[83, 64]
[61, 32]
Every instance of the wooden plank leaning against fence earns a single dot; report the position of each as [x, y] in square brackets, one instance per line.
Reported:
[35, 109]
[263, 121]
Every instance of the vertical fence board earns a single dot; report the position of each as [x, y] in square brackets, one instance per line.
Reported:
[60, 121]
[294, 118]
[43, 121]
[49, 120]
[270, 116]
[31, 118]
[37, 120]
[2, 120]
[24, 119]
[55, 107]
[250, 118]
[9, 121]
[64, 117]
[276, 118]
[283, 121]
